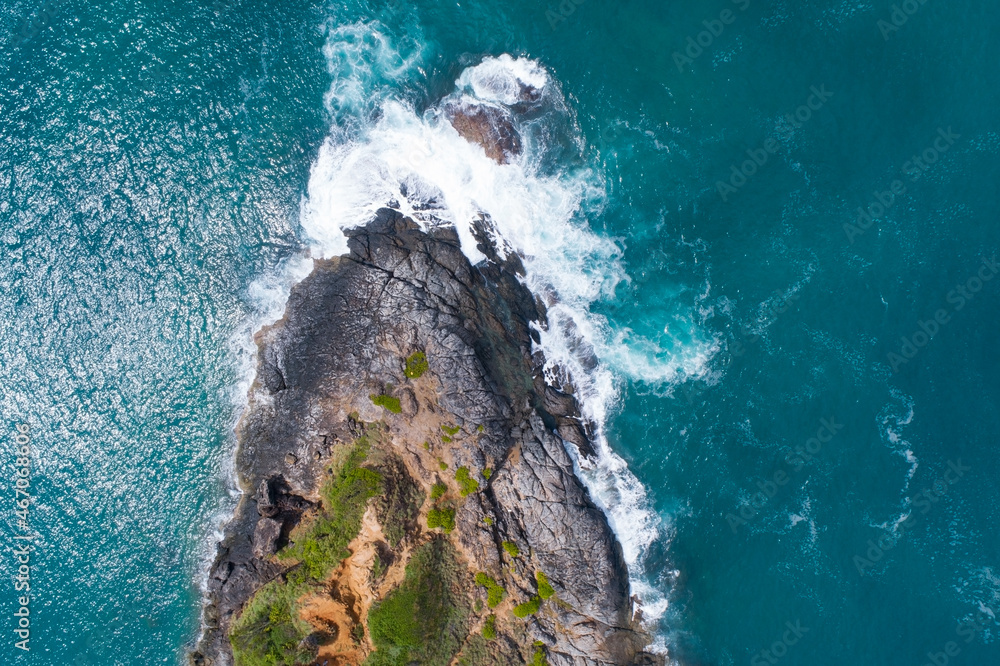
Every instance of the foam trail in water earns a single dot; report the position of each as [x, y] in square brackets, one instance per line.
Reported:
[419, 164]
[268, 296]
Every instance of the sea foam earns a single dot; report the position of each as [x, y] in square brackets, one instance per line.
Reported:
[267, 297]
[419, 164]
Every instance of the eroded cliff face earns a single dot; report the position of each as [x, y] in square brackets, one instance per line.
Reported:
[481, 406]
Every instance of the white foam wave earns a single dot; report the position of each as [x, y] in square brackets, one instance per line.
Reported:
[361, 59]
[894, 418]
[502, 79]
[419, 164]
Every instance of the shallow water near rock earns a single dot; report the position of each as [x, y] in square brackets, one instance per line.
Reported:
[805, 394]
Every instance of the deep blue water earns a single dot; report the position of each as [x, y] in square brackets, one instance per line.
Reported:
[154, 166]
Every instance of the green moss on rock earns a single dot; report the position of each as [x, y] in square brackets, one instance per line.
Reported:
[387, 401]
[443, 518]
[490, 628]
[467, 485]
[416, 365]
[529, 607]
[423, 620]
[545, 590]
[494, 592]
[269, 632]
[323, 544]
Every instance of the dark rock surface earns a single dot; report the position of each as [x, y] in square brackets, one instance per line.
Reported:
[345, 333]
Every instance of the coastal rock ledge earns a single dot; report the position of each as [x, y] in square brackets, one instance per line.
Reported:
[408, 495]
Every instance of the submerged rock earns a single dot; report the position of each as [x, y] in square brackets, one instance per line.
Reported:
[481, 405]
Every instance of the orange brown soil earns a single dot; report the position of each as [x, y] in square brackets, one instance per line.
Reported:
[350, 590]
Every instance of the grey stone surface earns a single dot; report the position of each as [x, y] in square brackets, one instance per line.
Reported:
[345, 333]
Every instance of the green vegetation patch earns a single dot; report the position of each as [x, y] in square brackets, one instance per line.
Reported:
[494, 592]
[511, 548]
[443, 518]
[269, 632]
[488, 521]
[529, 607]
[487, 473]
[467, 485]
[545, 590]
[387, 401]
[490, 628]
[451, 430]
[421, 621]
[324, 544]
[399, 504]
[538, 659]
[378, 567]
[416, 365]
[477, 652]
[438, 490]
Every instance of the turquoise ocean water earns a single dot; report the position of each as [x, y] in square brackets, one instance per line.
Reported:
[806, 395]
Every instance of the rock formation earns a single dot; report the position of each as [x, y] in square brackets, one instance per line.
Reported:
[334, 371]
[490, 126]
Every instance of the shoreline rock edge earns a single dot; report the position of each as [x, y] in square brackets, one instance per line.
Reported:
[347, 330]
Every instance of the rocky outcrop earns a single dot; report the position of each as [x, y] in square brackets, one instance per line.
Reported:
[346, 333]
[492, 127]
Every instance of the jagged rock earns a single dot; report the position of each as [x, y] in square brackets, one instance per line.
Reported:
[345, 333]
[266, 504]
[489, 126]
[265, 537]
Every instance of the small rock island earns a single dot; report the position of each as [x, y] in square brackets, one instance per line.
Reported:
[409, 498]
